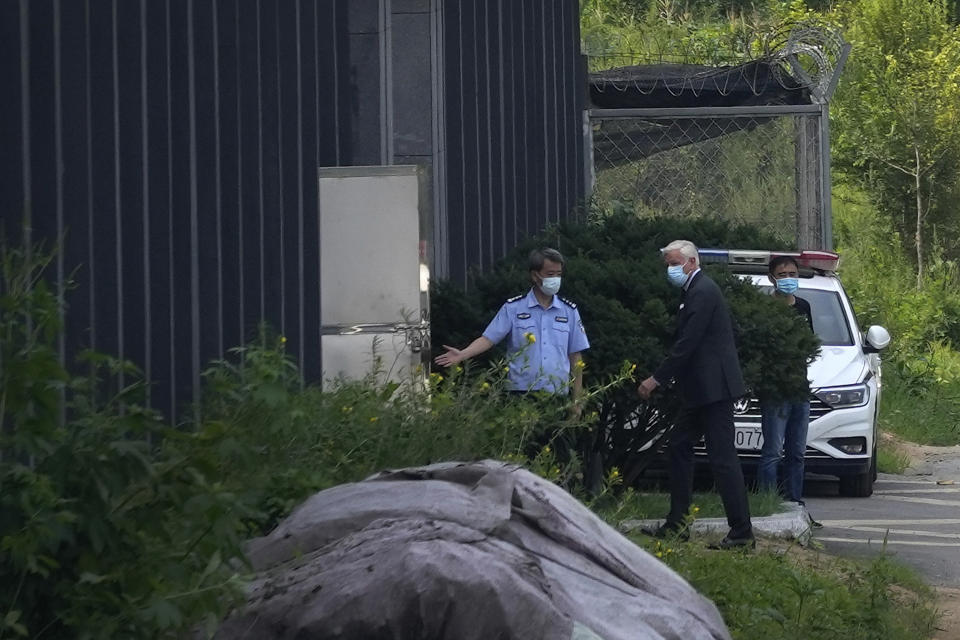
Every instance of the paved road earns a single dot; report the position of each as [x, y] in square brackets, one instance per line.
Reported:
[918, 518]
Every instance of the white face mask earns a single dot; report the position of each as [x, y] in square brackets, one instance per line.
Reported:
[550, 286]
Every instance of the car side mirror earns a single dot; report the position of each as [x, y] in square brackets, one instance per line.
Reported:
[876, 339]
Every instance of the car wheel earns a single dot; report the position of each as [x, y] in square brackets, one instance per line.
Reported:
[861, 484]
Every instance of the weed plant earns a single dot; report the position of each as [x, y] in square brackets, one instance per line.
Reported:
[297, 442]
[115, 525]
[891, 459]
[784, 591]
[921, 416]
[787, 593]
[921, 375]
[112, 525]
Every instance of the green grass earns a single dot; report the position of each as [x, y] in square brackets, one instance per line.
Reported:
[788, 593]
[633, 505]
[891, 459]
[782, 591]
[930, 417]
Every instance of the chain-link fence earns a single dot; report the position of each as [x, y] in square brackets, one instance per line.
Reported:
[735, 129]
[760, 166]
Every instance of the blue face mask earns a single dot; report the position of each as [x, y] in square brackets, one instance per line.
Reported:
[675, 275]
[550, 286]
[787, 286]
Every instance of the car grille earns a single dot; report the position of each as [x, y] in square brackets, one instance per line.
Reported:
[754, 454]
[750, 415]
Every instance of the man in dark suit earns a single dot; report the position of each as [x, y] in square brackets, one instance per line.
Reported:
[703, 361]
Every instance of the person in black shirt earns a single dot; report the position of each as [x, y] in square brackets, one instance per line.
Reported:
[784, 423]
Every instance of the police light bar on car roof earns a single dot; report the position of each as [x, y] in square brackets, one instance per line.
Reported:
[821, 260]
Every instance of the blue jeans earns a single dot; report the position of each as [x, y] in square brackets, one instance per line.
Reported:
[784, 426]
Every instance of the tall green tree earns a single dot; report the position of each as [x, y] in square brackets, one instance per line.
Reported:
[898, 115]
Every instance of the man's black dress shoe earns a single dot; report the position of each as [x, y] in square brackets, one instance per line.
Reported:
[668, 530]
[735, 543]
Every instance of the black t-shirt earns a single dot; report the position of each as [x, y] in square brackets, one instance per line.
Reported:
[802, 307]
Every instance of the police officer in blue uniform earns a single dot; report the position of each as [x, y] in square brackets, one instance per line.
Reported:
[545, 336]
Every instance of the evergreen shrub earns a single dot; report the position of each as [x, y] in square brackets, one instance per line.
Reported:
[616, 276]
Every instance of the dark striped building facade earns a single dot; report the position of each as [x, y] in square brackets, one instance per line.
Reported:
[173, 146]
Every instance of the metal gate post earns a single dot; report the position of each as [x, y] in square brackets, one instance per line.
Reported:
[589, 174]
[826, 204]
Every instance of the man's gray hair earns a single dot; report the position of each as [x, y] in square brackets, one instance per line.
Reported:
[686, 248]
[538, 256]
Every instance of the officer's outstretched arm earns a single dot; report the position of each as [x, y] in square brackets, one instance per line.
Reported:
[454, 356]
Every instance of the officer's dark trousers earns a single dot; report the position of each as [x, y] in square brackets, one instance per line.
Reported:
[715, 423]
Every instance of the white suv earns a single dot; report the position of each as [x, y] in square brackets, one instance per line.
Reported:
[844, 379]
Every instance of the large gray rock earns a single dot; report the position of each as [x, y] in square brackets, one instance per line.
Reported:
[460, 551]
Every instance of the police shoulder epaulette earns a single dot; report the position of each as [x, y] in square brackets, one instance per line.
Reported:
[569, 303]
[514, 298]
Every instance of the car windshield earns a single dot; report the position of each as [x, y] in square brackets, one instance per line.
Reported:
[829, 320]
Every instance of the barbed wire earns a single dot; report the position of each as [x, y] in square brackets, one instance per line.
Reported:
[801, 55]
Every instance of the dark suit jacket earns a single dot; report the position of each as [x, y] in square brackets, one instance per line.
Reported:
[703, 359]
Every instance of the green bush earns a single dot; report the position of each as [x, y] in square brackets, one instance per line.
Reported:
[921, 392]
[111, 526]
[276, 453]
[114, 524]
[615, 274]
[881, 281]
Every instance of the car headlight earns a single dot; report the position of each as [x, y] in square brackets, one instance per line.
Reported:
[840, 397]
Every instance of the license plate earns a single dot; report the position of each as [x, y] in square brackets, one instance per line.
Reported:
[748, 438]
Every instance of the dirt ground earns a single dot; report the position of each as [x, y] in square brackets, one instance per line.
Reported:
[936, 463]
[948, 627]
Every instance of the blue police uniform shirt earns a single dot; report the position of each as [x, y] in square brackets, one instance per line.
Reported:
[544, 364]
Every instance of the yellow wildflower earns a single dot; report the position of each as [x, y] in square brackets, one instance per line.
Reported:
[506, 369]
[581, 364]
[530, 337]
[659, 555]
[283, 339]
[546, 449]
[374, 419]
[485, 386]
